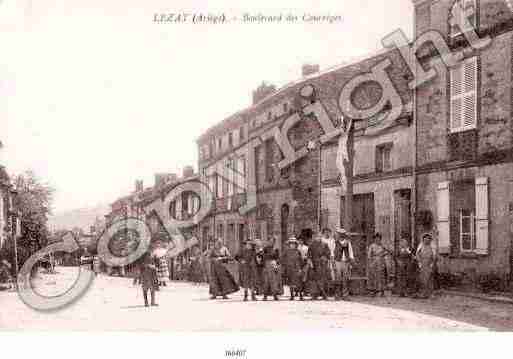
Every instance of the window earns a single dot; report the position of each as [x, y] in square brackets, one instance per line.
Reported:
[230, 139]
[220, 143]
[211, 149]
[383, 157]
[172, 209]
[220, 232]
[185, 202]
[231, 165]
[241, 169]
[463, 87]
[469, 10]
[219, 186]
[467, 230]
[241, 134]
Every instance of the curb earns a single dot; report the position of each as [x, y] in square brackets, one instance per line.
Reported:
[493, 299]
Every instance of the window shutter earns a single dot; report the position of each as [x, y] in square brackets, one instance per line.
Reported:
[470, 67]
[456, 90]
[379, 159]
[463, 91]
[444, 242]
[482, 221]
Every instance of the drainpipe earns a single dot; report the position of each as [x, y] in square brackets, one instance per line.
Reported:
[414, 172]
[319, 207]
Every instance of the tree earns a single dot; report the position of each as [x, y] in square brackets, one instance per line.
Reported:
[34, 201]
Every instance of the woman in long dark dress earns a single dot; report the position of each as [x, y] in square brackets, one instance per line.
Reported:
[292, 264]
[247, 270]
[272, 274]
[222, 282]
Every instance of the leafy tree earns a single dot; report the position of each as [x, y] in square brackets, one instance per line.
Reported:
[34, 201]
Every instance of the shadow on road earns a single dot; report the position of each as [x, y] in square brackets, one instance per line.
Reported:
[494, 316]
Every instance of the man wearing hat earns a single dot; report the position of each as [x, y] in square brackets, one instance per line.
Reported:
[426, 258]
[343, 259]
[292, 264]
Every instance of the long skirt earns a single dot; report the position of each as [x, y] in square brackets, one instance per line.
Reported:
[292, 276]
[247, 276]
[426, 281]
[221, 280]
[376, 281]
[273, 284]
[318, 278]
[163, 270]
[404, 277]
[196, 272]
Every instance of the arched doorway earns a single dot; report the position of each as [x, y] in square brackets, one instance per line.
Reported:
[284, 224]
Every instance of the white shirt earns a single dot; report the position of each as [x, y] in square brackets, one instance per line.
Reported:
[330, 241]
[303, 249]
[350, 250]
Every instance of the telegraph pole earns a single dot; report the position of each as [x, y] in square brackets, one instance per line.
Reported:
[348, 170]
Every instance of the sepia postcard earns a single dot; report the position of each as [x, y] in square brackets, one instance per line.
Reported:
[239, 168]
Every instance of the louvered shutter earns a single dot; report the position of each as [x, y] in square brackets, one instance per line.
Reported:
[463, 91]
[470, 67]
[482, 217]
[456, 90]
[444, 241]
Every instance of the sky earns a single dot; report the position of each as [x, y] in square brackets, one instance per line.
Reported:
[94, 94]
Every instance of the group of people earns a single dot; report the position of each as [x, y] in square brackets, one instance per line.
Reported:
[320, 269]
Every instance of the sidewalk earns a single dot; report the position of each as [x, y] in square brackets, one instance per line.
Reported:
[494, 298]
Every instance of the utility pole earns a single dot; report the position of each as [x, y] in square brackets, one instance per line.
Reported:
[348, 166]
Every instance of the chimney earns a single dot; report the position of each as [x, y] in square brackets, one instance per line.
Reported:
[262, 92]
[162, 178]
[188, 171]
[139, 185]
[309, 69]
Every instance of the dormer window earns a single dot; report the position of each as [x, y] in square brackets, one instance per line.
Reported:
[468, 10]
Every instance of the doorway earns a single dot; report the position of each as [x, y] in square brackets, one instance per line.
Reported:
[363, 224]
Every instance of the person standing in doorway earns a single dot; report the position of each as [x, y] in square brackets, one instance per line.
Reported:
[404, 259]
[426, 258]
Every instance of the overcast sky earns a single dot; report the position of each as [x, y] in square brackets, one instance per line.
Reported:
[95, 95]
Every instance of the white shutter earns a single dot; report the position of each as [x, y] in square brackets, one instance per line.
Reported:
[456, 90]
[482, 221]
[463, 92]
[444, 240]
[470, 93]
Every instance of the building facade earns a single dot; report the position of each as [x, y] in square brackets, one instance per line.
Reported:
[464, 132]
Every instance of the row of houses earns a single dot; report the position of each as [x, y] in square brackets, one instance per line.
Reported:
[443, 165]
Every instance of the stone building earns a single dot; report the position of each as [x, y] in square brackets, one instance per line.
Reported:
[300, 194]
[464, 132]
[222, 151]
